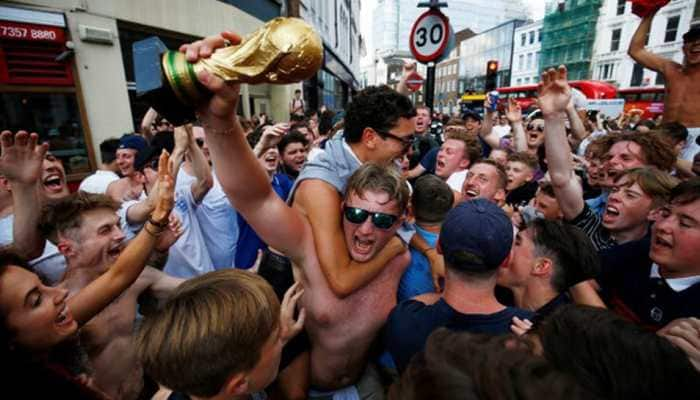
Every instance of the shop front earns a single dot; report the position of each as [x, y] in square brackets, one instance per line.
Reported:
[39, 91]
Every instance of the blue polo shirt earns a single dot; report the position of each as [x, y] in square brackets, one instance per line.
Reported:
[411, 322]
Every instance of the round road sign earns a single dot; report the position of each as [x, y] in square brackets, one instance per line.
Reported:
[429, 36]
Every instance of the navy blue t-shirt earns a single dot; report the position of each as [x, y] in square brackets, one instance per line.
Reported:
[411, 322]
[629, 290]
[248, 241]
[429, 160]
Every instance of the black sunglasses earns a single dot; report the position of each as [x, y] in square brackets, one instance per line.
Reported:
[380, 220]
[405, 141]
[539, 128]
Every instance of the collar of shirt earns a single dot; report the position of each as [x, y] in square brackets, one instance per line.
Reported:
[677, 284]
[349, 149]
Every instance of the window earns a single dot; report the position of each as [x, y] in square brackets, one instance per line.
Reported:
[518, 81]
[607, 72]
[532, 37]
[615, 42]
[523, 38]
[521, 61]
[527, 80]
[529, 60]
[621, 7]
[660, 81]
[672, 29]
[537, 59]
[539, 35]
[637, 75]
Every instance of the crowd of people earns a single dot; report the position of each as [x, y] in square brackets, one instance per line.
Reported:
[359, 254]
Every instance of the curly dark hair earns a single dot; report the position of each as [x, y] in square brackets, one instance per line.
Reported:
[377, 107]
[656, 151]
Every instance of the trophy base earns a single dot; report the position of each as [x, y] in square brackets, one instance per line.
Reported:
[159, 75]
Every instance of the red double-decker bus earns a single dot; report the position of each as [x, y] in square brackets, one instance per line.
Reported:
[526, 95]
[648, 99]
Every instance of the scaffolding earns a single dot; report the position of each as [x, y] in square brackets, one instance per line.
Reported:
[568, 34]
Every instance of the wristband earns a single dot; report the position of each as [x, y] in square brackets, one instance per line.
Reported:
[160, 225]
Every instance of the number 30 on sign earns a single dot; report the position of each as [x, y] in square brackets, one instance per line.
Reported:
[429, 36]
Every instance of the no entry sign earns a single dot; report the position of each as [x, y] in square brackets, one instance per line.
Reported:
[414, 81]
[429, 35]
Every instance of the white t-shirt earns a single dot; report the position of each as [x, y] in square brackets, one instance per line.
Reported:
[189, 256]
[501, 130]
[219, 225]
[50, 265]
[456, 180]
[98, 182]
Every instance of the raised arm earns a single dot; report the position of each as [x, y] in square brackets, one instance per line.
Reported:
[99, 293]
[200, 168]
[554, 95]
[21, 163]
[241, 176]
[515, 116]
[408, 69]
[148, 119]
[638, 51]
[486, 132]
[321, 203]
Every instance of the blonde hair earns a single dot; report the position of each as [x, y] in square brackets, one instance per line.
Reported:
[376, 178]
[212, 326]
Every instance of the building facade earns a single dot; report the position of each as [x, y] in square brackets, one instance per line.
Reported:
[568, 34]
[527, 46]
[66, 67]
[337, 23]
[447, 93]
[493, 44]
[617, 24]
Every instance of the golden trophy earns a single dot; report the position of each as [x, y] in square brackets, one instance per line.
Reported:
[284, 50]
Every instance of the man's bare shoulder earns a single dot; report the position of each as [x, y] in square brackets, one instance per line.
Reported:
[312, 191]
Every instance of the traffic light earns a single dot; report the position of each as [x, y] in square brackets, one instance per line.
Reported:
[491, 75]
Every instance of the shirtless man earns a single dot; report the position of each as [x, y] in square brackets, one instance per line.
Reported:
[682, 100]
[131, 149]
[341, 329]
[86, 230]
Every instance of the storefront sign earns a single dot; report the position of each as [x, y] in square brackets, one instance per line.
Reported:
[18, 31]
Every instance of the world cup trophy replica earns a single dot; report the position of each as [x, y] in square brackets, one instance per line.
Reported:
[284, 50]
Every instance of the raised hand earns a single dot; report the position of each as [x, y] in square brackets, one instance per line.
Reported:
[513, 111]
[22, 157]
[165, 191]
[684, 333]
[170, 235]
[272, 134]
[288, 326]
[554, 92]
[220, 110]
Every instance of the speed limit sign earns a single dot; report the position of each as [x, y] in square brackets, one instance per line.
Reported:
[430, 35]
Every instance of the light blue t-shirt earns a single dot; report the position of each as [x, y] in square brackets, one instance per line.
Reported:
[417, 279]
[219, 225]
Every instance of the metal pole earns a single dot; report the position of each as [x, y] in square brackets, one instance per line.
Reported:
[430, 87]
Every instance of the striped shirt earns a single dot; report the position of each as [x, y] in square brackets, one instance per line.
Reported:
[592, 225]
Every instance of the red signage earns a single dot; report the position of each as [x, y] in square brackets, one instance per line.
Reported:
[414, 81]
[18, 31]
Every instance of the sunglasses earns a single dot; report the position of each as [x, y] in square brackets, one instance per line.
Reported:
[405, 141]
[358, 216]
[539, 128]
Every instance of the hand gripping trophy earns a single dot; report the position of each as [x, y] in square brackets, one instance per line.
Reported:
[284, 50]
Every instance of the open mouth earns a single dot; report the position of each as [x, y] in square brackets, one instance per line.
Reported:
[440, 164]
[659, 242]
[612, 210]
[116, 250]
[471, 193]
[64, 317]
[363, 246]
[53, 182]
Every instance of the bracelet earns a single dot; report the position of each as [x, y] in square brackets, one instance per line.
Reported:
[160, 225]
[209, 129]
[154, 234]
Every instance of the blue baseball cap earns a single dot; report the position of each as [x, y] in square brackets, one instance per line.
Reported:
[476, 236]
[135, 142]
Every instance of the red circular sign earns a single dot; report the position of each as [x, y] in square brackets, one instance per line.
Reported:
[429, 36]
[414, 81]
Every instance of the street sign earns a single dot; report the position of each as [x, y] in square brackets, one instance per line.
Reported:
[429, 35]
[414, 81]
